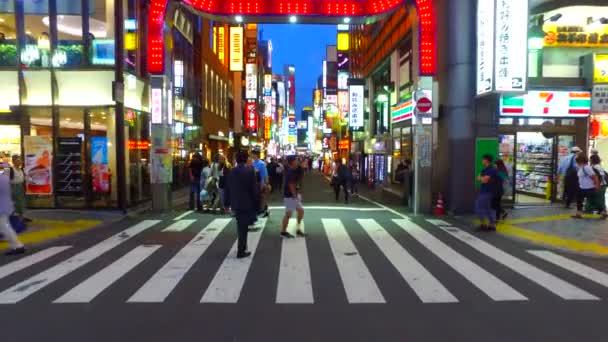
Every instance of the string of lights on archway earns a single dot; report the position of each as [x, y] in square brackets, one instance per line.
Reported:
[328, 8]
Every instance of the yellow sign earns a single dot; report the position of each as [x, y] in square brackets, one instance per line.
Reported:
[343, 41]
[600, 69]
[131, 41]
[236, 49]
[215, 40]
[220, 45]
[575, 36]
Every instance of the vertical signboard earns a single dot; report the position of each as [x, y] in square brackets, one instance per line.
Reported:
[267, 106]
[221, 51]
[157, 106]
[251, 81]
[267, 84]
[236, 49]
[100, 172]
[511, 50]
[343, 100]
[267, 124]
[485, 46]
[69, 158]
[251, 116]
[355, 115]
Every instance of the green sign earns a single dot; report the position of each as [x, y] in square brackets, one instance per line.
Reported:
[484, 146]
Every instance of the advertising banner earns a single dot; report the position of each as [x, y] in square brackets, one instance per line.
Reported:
[251, 81]
[268, 106]
[485, 46]
[281, 93]
[511, 50]
[161, 156]
[356, 115]
[99, 164]
[69, 172]
[343, 104]
[38, 161]
[403, 111]
[251, 116]
[600, 99]
[600, 68]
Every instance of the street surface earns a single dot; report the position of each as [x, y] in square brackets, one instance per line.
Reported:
[364, 273]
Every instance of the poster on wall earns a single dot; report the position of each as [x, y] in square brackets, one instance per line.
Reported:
[38, 161]
[511, 50]
[69, 167]
[100, 171]
[162, 161]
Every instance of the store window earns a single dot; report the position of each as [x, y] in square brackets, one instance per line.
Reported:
[102, 154]
[101, 33]
[8, 37]
[10, 141]
[37, 49]
[69, 159]
[138, 156]
[38, 152]
[70, 42]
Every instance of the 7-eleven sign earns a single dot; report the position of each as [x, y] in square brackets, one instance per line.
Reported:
[547, 103]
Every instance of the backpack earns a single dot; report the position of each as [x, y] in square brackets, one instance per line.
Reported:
[603, 178]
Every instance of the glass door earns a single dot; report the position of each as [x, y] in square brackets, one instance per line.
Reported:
[506, 153]
[533, 169]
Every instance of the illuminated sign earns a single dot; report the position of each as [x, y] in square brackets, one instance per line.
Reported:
[547, 104]
[511, 50]
[343, 41]
[267, 125]
[157, 106]
[317, 97]
[139, 145]
[343, 61]
[342, 80]
[600, 99]
[281, 93]
[251, 116]
[343, 103]
[355, 114]
[324, 74]
[575, 36]
[302, 124]
[267, 83]
[236, 49]
[600, 69]
[268, 106]
[485, 46]
[331, 100]
[251, 81]
[221, 50]
[130, 41]
[403, 111]
[344, 144]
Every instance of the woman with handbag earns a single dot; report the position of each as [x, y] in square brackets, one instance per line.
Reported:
[589, 184]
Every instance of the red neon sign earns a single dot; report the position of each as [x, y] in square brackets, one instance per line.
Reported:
[332, 8]
[251, 116]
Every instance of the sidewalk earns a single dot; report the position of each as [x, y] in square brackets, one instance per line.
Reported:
[554, 227]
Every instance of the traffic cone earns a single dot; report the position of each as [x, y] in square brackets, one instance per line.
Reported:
[439, 209]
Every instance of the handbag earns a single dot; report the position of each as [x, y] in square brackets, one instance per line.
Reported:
[18, 224]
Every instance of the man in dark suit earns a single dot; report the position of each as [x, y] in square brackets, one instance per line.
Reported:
[241, 195]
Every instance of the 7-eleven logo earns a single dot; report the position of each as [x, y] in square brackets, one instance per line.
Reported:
[547, 98]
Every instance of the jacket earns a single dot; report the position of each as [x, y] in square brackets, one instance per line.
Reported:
[241, 189]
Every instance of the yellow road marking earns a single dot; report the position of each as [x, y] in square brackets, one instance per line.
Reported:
[53, 229]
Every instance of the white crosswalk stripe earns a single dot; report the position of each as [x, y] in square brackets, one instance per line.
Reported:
[228, 282]
[550, 282]
[179, 225]
[181, 216]
[426, 286]
[37, 282]
[483, 280]
[573, 266]
[294, 284]
[164, 281]
[90, 288]
[358, 282]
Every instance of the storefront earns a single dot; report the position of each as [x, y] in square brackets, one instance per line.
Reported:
[402, 134]
[375, 167]
[536, 131]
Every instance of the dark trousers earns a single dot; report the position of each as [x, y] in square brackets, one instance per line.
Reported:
[497, 205]
[354, 186]
[337, 187]
[570, 188]
[588, 194]
[243, 220]
[195, 194]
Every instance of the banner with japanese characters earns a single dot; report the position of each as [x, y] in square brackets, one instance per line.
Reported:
[511, 45]
[355, 112]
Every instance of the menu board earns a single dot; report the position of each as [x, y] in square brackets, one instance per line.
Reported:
[69, 167]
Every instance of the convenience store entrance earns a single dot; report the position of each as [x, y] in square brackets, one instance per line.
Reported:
[532, 160]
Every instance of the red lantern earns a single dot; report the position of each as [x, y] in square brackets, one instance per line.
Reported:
[594, 129]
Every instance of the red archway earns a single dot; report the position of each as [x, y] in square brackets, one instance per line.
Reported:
[324, 8]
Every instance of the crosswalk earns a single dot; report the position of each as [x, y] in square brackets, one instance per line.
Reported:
[411, 252]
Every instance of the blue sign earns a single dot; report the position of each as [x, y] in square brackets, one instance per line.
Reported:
[99, 150]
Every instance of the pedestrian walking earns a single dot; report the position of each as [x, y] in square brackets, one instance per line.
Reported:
[489, 189]
[292, 199]
[599, 200]
[241, 196]
[354, 183]
[195, 169]
[567, 173]
[260, 167]
[503, 174]
[589, 184]
[341, 180]
[17, 177]
[6, 209]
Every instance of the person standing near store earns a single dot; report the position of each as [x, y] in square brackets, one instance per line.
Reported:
[355, 179]
[241, 196]
[260, 167]
[567, 173]
[18, 186]
[589, 184]
[341, 180]
[195, 169]
[489, 180]
[599, 200]
[503, 173]
[6, 209]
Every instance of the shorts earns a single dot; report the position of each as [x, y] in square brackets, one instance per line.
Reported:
[292, 204]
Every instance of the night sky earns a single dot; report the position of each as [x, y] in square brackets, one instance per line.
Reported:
[304, 47]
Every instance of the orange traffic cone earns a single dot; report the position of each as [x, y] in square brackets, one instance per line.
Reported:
[439, 209]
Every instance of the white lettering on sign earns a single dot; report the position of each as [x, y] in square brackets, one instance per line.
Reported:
[355, 116]
[157, 106]
[511, 45]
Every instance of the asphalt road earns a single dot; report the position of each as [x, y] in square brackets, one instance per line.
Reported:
[363, 273]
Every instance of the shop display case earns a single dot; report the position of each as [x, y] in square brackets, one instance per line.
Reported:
[534, 170]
